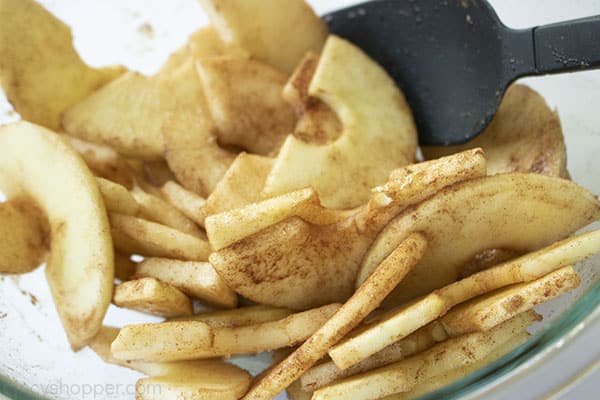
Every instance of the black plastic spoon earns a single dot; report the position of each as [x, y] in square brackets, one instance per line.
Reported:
[454, 58]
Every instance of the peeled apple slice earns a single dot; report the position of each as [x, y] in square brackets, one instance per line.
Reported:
[378, 134]
[36, 163]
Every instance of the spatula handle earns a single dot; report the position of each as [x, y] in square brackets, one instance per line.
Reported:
[567, 46]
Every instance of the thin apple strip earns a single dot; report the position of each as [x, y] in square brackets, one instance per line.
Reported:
[152, 296]
[325, 373]
[239, 316]
[487, 311]
[404, 320]
[117, 198]
[406, 374]
[194, 380]
[187, 340]
[194, 278]
[139, 236]
[366, 299]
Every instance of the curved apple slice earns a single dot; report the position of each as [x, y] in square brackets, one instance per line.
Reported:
[524, 136]
[299, 264]
[378, 135]
[279, 32]
[37, 163]
[521, 212]
[41, 72]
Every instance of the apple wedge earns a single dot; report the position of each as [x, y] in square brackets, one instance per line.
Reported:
[152, 296]
[204, 42]
[192, 151]
[487, 311]
[117, 198]
[268, 29]
[187, 340]
[196, 279]
[104, 162]
[238, 316]
[365, 300]
[133, 235]
[34, 162]
[524, 136]
[189, 203]
[129, 112]
[41, 73]
[241, 185]
[244, 98]
[193, 380]
[445, 356]
[402, 321]
[521, 212]
[454, 374]
[155, 209]
[298, 264]
[378, 134]
[317, 122]
[25, 234]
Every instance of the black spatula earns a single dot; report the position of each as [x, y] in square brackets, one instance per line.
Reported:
[454, 58]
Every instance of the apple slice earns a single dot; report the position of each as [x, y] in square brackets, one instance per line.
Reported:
[244, 98]
[194, 380]
[378, 134]
[41, 73]
[129, 112]
[273, 31]
[299, 263]
[524, 136]
[521, 212]
[37, 163]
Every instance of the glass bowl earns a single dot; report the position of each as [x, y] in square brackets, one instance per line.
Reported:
[36, 361]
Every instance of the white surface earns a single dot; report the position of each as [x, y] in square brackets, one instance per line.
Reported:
[117, 31]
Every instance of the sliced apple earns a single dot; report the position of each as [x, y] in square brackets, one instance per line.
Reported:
[487, 311]
[128, 114]
[521, 212]
[152, 296]
[241, 185]
[196, 279]
[378, 135]
[117, 198]
[406, 374]
[454, 374]
[244, 98]
[402, 321]
[25, 235]
[155, 209]
[34, 162]
[104, 162]
[192, 151]
[297, 264]
[204, 42]
[185, 340]
[364, 301]
[189, 203]
[271, 33]
[524, 136]
[239, 316]
[41, 73]
[317, 122]
[327, 372]
[194, 380]
[134, 235]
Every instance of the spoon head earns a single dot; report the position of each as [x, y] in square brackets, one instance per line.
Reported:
[446, 55]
